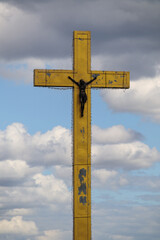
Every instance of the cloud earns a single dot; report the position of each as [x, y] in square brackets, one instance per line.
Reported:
[142, 98]
[18, 226]
[39, 190]
[64, 172]
[102, 178]
[19, 212]
[52, 147]
[43, 30]
[145, 183]
[122, 180]
[15, 172]
[50, 189]
[19, 71]
[30, 5]
[125, 222]
[117, 147]
[56, 235]
[40, 184]
[130, 156]
[114, 147]
[114, 135]
[28, 33]
[120, 237]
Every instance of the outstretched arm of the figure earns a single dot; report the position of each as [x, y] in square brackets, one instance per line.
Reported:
[73, 81]
[91, 80]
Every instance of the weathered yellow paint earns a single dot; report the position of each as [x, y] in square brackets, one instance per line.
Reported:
[82, 140]
[52, 78]
[82, 125]
[59, 78]
[108, 79]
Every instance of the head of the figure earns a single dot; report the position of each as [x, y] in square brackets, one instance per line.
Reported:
[82, 82]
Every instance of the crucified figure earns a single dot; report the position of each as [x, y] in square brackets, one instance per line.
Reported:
[82, 94]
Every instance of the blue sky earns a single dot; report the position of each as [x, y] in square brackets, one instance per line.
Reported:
[36, 123]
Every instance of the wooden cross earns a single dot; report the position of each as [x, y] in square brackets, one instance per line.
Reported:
[81, 125]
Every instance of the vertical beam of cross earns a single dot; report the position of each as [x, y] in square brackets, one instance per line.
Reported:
[81, 125]
[82, 140]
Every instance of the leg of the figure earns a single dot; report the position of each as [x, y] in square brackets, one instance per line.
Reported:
[82, 109]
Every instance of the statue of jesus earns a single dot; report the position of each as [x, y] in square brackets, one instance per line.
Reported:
[82, 94]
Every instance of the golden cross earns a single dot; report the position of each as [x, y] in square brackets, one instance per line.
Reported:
[82, 125]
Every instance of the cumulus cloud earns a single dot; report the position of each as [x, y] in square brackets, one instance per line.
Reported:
[15, 172]
[125, 222]
[116, 180]
[19, 212]
[102, 178]
[52, 147]
[142, 98]
[115, 147]
[34, 181]
[128, 156]
[146, 183]
[65, 173]
[19, 71]
[51, 189]
[56, 235]
[114, 135]
[40, 190]
[18, 226]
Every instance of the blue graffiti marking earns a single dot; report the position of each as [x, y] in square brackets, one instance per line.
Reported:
[48, 74]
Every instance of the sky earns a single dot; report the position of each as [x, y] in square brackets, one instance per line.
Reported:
[36, 123]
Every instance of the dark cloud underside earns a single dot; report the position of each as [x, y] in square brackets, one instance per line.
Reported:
[125, 33]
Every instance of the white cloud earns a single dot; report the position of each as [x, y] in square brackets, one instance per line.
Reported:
[22, 71]
[37, 191]
[103, 175]
[102, 178]
[129, 156]
[145, 183]
[142, 98]
[114, 135]
[52, 147]
[19, 212]
[15, 170]
[50, 193]
[18, 226]
[65, 173]
[133, 222]
[120, 237]
[115, 147]
[56, 235]
[51, 189]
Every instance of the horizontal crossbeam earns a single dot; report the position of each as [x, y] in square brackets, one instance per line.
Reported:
[59, 78]
[110, 79]
[52, 78]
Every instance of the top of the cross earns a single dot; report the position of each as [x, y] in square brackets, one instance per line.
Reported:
[82, 35]
[81, 69]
